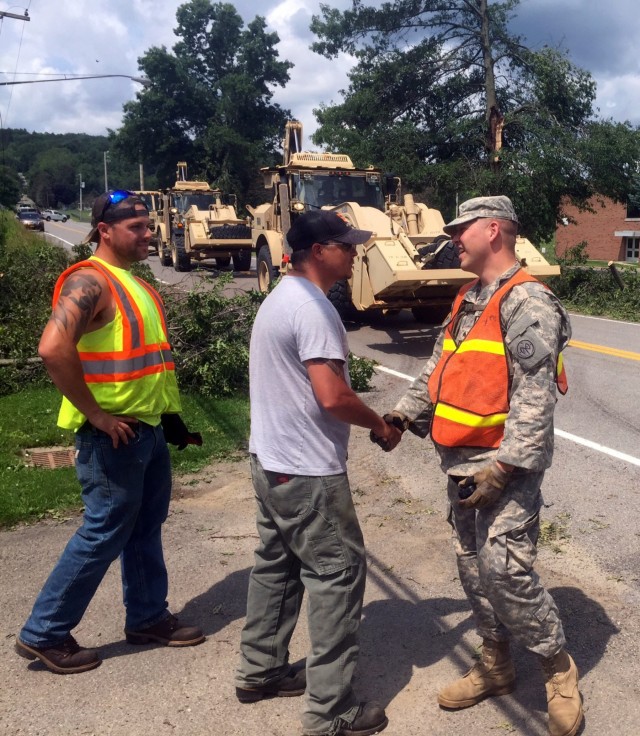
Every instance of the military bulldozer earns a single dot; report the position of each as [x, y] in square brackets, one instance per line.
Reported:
[408, 263]
[199, 223]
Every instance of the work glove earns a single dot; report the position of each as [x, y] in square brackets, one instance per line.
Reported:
[176, 432]
[398, 420]
[482, 489]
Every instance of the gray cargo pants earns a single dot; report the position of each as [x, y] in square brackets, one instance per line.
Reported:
[496, 551]
[310, 540]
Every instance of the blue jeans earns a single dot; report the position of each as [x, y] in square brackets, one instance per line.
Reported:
[126, 493]
[310, 540]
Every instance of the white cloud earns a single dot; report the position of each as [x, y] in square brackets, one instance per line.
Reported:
[314, 79]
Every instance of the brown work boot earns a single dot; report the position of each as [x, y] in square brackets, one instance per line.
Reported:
[66, 658]
[292, 684]
[169, 631]
[370, 718]
[563, 697]
[492, 675]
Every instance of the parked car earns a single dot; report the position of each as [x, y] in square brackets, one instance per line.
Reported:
[54, 215]
[31, 219]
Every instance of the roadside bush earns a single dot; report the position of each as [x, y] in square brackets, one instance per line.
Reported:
[29, 268]
[209, 333]
[361, 371]
[594, 290]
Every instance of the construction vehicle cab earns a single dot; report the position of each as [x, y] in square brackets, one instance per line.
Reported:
[199, 223]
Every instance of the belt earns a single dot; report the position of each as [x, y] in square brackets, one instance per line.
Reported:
[137, 424]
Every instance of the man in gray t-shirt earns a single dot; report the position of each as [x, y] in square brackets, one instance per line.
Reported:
[302, 406]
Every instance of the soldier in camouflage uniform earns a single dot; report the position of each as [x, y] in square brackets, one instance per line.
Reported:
[496, 527]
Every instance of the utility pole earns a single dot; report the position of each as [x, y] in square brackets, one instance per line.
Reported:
[13, 15]
[141, 177]
[81, 188]
[106, 181]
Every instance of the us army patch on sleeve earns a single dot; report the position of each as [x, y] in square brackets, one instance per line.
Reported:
[525, 344]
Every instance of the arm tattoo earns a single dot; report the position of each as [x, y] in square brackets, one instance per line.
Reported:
[335, 365]
[77, 303]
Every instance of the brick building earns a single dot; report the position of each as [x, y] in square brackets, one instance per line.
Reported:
[612, 231]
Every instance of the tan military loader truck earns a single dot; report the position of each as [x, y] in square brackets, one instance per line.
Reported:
[200, 223]
[408, 263]
[153, 199]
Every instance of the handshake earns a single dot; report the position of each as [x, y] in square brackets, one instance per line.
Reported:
[397, 424]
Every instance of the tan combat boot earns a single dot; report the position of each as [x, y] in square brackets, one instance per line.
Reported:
[563, 697]
[492, 675]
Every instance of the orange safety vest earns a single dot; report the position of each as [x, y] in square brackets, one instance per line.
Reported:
[127, 365]
[469, 387]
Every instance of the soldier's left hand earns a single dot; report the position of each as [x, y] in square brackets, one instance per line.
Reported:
[490, 482]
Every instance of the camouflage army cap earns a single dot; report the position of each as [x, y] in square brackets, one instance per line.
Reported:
[498, 208]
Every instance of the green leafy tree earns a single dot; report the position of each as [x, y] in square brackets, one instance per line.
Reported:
[210, 100]
[443, 94]
[10, 187]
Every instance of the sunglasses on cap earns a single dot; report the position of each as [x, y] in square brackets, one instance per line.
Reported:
[115, 197]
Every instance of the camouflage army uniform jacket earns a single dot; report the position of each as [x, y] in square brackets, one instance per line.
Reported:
[529, 312]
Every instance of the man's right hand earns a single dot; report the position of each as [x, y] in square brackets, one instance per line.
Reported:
[118, 428]
[389, 437]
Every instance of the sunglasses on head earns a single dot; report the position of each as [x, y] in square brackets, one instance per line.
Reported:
[115, 197]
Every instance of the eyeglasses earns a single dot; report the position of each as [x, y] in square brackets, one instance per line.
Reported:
[115, 197]
[347, 247]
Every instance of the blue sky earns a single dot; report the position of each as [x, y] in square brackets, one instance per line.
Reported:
[87, 37]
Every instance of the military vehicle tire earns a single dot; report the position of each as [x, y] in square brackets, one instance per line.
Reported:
[242, 260]
[340, 296]
[447, 258]
[179, 256]
[267, 274]
[433, 315]
[165, 256]
[223, 261]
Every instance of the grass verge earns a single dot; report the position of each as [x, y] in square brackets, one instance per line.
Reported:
[28, 419]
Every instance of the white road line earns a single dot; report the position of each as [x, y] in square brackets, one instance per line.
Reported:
[57, 237]
[599, 448]
[391, 372]
[604, 319]
[559, 432]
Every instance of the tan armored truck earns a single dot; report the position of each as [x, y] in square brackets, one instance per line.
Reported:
[409, 262]
[153, 199]
[200, 223]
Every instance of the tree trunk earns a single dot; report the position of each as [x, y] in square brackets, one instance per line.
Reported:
[494, 118]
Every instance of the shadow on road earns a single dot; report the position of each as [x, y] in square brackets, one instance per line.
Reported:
[212, 610]
[403, 632]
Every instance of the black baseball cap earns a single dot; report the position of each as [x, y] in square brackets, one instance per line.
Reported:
[113, 206]
[320, 226]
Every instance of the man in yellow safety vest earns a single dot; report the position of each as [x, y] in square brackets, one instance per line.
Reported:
[106, 348]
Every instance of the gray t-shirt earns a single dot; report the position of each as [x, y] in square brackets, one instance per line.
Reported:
[290, 432]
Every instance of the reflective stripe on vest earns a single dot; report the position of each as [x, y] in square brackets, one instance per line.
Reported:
[471, 408]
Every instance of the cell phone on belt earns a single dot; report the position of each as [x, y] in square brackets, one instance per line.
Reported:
[466, 491]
